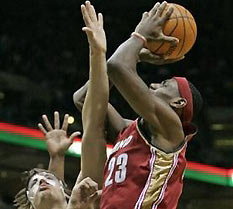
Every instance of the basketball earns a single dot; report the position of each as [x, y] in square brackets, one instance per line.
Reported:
[181, 25]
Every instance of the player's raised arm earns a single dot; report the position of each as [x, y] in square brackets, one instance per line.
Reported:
[123, 74]
[57, 142]
[96, 101]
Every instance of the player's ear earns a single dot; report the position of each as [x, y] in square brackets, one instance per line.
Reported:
[178, 102]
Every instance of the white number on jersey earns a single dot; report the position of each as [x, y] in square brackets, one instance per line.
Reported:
[120, 174]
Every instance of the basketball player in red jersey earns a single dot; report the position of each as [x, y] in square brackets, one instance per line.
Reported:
[146, 167]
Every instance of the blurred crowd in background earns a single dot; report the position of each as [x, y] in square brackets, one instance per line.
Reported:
[44, 60]
[44, 55]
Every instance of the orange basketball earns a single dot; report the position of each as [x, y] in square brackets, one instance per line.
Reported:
[181, 25]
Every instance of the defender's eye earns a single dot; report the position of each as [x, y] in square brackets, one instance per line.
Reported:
[33, 183]
[164, 83]
[49, 177]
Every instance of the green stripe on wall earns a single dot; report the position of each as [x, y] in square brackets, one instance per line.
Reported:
[206, 177]
[27, 141]
[22, 140]
[36, 143]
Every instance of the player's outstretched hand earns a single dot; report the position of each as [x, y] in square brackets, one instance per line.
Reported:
[152, 22]
[94, 27]
[146, 55]
[56, 138]
[84, 194]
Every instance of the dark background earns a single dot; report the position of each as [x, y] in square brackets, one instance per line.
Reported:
[44, 60]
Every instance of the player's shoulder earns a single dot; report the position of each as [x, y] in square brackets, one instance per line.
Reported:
[162, 141]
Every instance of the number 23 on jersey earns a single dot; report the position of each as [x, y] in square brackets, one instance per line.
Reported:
[120, 163]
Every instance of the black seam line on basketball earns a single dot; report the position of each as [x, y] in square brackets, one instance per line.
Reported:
[191, 25]
[184, 31]
[158, 47]
[168, 35]
[171, 48]
[185, 17]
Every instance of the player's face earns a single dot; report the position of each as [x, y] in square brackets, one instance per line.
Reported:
[45, 188]
[165, 90]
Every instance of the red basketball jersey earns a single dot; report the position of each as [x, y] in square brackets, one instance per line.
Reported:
[139, 175]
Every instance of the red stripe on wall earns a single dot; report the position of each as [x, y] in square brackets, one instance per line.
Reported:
[38, 134]
[32, 132]
[208, 168]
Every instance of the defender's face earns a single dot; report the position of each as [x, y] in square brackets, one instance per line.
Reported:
[165, 90]
[44, 188]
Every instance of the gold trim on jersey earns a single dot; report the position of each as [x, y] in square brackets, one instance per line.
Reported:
[162, 167]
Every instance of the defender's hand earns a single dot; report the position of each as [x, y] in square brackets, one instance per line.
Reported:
[84, 194]
[94, 27]
[56, 138]
[146, 55]
[151, 24]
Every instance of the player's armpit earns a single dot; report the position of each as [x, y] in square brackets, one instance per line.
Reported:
[114, 123]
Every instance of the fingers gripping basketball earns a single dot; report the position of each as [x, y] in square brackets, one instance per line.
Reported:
[181, 25]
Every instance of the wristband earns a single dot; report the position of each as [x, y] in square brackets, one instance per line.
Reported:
[139, 36]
